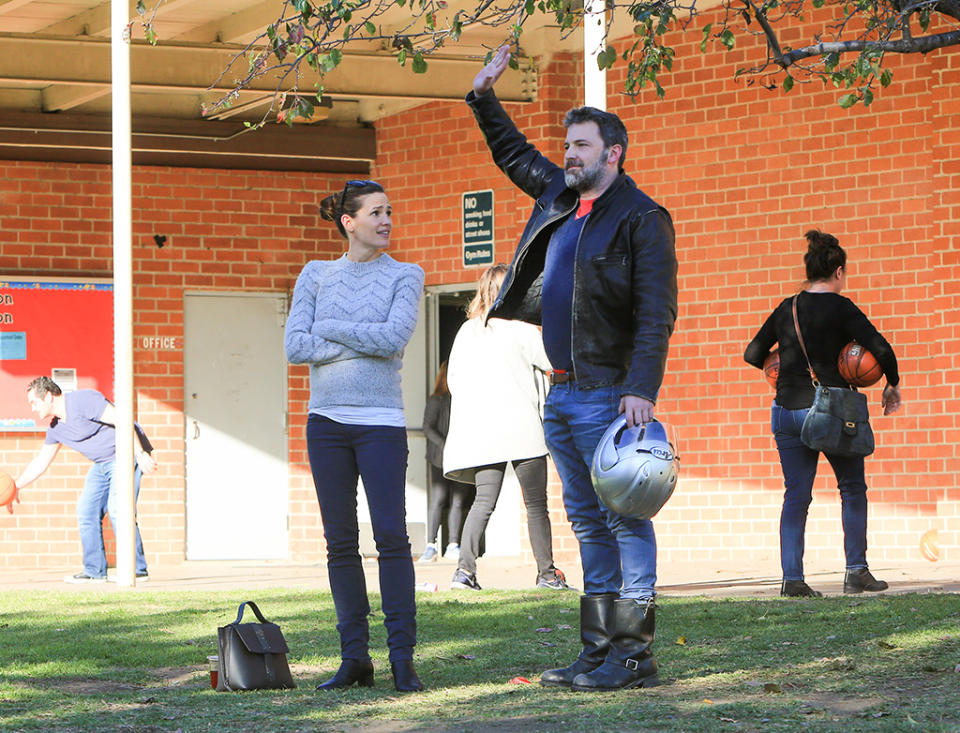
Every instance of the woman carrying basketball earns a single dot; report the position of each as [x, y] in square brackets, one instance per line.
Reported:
[828, 321]
[350, 320]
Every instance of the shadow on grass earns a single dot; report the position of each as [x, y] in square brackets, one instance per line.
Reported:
[71, 662]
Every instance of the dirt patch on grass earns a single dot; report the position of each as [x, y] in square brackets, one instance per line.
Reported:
[87, 686]
[506, 725]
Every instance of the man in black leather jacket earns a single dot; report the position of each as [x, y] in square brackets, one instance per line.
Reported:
[596, 267]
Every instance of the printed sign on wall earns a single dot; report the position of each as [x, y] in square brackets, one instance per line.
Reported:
[478, 228]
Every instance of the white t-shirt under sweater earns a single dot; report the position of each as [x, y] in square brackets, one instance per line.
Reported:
[350, 321]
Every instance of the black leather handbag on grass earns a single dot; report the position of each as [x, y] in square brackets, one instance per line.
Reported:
[252, 656]
[838, 423]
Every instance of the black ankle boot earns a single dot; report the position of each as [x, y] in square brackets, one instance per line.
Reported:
[630, 662]
[857, 581]
[405, 676]
[596, 623]
[351, 670]
[798, 589]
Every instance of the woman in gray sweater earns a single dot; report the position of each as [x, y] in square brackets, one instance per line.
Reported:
[350, 320]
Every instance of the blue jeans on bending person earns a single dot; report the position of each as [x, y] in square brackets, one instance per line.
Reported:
[799, 464]
[339, 455]
[99, 497]
[618, 554]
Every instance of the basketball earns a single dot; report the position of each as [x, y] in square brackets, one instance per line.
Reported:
[8, 489]
[930, 545]
[858, 366]
[771, 367]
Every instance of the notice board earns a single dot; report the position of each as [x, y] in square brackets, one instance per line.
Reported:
[55, 327]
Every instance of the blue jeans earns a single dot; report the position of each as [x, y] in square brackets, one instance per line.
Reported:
[339, 455]
[799, 465]
[618, 554]
[99, 497]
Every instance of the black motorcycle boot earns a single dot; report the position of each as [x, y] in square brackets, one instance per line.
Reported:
[596, 625]
[630, 662]
[857, 581]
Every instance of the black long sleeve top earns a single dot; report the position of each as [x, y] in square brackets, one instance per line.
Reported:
[829, 321]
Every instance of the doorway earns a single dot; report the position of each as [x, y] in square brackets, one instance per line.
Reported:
[235, 407]
[446, 307]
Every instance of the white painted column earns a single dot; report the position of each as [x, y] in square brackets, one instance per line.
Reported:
[122, 290]
[594, 79]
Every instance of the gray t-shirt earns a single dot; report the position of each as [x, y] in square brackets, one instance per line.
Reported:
[83, 431]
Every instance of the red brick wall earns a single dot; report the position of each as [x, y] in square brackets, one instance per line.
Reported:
[226, 231]
[744, 171]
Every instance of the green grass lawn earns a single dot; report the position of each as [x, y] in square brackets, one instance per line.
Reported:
[118, 661]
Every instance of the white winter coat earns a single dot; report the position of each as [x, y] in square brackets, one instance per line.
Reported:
[496, 396]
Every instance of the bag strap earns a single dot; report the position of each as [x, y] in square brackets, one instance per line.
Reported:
[253, 607]
[796, 325]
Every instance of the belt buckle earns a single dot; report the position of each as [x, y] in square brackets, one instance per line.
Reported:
[559, 376]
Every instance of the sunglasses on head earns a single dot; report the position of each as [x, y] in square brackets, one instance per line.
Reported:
[354, 184]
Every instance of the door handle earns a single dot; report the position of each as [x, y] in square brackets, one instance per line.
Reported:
[196, 430]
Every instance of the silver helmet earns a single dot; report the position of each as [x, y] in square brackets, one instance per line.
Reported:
[634, 470]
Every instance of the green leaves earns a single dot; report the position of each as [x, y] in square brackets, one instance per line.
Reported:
[606, 58]
[727, 39]
[419, 63]
[304, 7]
[706, 36]
[787, 83]
[847, 100]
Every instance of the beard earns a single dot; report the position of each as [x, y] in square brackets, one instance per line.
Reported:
[587, 177]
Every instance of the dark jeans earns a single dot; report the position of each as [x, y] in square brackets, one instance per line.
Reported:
[799, 465]
[339, 454]
[452, 496]
[532, 475]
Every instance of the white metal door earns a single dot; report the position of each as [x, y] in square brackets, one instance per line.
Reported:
[235, 405]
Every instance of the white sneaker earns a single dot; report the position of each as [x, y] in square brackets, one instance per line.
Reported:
[430, 553]
[141, 578]
[452, 552]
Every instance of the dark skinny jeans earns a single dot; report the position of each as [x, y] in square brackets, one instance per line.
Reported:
[450, 495]
[799, 465]
[339, 455]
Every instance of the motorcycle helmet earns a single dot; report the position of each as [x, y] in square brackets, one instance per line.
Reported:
[634, 470]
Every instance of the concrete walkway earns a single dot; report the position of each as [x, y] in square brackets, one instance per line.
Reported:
[675, 579]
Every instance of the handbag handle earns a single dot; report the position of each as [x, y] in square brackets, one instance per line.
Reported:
[255, 610]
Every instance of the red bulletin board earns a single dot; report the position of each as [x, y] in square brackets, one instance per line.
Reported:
[48, 325]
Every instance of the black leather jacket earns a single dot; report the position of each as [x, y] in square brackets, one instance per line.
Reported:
[625, 276]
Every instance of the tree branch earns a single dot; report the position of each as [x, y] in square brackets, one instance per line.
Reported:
[772, 40]
[924, 44]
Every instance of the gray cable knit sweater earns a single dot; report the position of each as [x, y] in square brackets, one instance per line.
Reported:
[350, 321]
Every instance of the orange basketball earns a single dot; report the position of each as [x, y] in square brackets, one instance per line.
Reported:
[8, 489]
[930, 545]
[858, 366]
[771, 367]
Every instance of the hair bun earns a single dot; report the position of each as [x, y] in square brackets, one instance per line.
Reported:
[330, 207]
